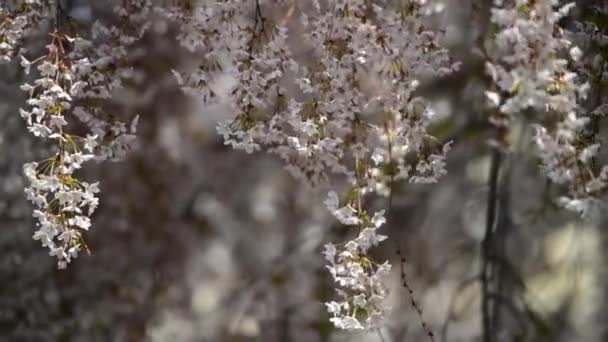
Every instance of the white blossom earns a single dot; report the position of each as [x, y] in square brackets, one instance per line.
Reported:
[361, 282]
[528, 68]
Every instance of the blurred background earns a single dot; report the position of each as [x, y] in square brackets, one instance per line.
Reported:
[194, 241]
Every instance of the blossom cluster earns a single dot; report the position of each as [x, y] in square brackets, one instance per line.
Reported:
[63, 203]
[530, 73]
[76, 79]
[353, 101]
[361, 281]
[345, 106]
[106, 74]
[18, 22]
[346, 118]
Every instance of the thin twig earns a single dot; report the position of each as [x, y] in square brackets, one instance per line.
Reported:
[413, 301]
[486, 247]
[380, 335]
